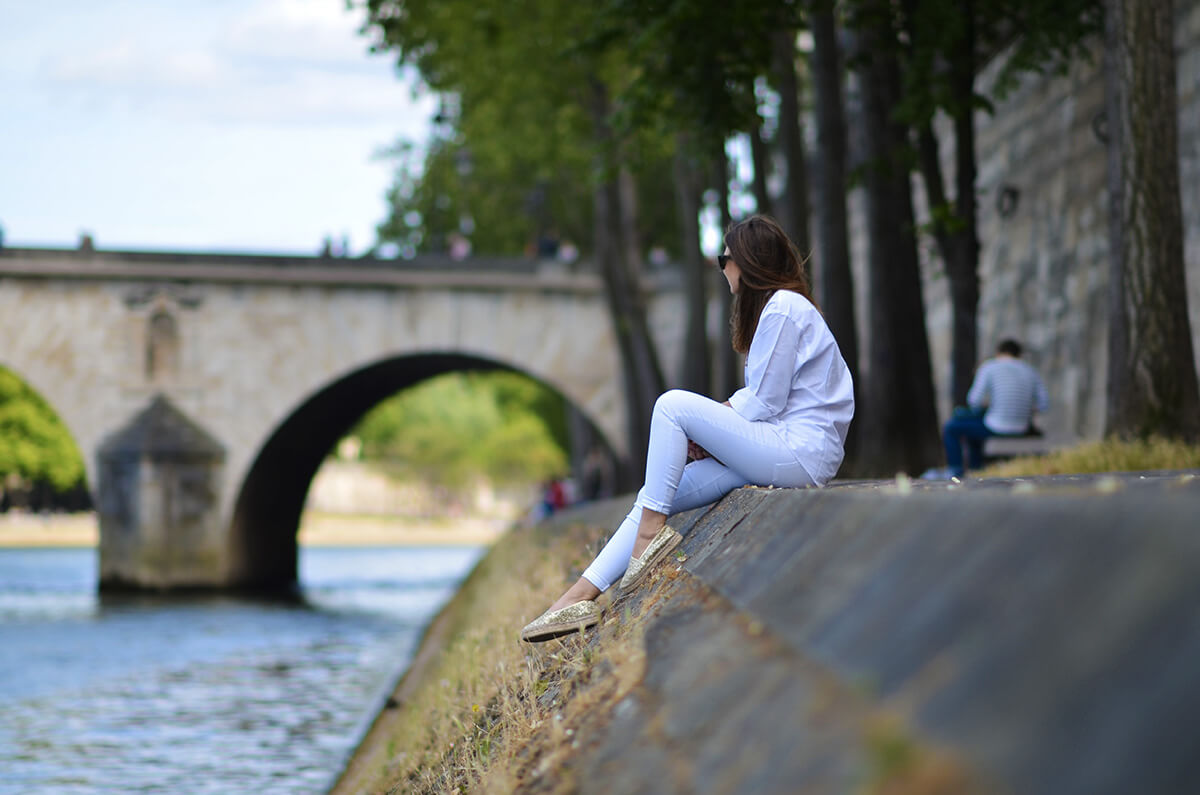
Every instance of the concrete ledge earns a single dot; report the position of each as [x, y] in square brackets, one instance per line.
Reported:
[1027, 636]
[998, 447]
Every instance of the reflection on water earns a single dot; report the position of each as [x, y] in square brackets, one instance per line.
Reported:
[206, 695]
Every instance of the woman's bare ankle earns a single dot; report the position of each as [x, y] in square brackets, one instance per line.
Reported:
[581, 591]
[652, 522]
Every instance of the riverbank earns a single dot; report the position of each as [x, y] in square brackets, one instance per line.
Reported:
[472, 687]
[1030, 635]
[330, 529]
[316, 529]
[48, 530]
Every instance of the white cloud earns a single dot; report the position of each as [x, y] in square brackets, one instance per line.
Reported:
[277, 62]
[131, 65]
[197, 124]
[311, 31]
[316, 97]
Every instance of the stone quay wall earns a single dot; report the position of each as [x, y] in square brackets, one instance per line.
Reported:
[1033, 636]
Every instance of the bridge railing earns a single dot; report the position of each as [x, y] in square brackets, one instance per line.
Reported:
[422, 270]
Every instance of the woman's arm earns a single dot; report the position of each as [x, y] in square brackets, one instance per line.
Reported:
[770, 367]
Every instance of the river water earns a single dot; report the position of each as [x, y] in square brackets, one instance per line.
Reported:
[213, 695]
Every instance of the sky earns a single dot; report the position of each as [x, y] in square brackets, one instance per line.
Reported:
[232, 125]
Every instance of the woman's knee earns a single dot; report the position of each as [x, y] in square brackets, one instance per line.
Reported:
[673, 401]
[670, 399]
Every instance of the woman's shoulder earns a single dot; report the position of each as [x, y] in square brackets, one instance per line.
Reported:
[790, 303]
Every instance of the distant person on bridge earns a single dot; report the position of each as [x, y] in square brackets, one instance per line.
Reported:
[1001, 402]
[786, 427]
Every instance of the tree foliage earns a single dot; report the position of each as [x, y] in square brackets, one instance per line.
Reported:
[1027, 36]
[513, 150]
[35, 446]
[456, 428]
[696, 62]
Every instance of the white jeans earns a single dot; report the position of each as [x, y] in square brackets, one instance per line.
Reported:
[742, 451]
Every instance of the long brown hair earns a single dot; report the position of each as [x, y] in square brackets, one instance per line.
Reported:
[768, 261]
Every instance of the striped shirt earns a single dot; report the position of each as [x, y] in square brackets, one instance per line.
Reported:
[1011, 390]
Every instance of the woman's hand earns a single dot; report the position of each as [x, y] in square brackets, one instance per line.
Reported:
[696, 452]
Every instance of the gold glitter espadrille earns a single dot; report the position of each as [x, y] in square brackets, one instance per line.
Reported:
[564, 621]
[666, 540]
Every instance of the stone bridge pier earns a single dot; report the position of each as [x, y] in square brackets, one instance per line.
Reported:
[204, 391]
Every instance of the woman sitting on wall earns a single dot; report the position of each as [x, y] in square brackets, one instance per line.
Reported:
[786, 427]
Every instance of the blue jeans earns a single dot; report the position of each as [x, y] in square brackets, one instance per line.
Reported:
[968, 427]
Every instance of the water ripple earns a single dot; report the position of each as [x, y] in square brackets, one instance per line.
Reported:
[220, 696]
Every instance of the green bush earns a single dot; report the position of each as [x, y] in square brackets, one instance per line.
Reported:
[458, 427]
[35, 445]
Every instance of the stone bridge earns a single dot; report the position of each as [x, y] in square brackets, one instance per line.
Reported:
[204, 390]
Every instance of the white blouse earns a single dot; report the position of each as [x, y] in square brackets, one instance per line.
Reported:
[797, 380]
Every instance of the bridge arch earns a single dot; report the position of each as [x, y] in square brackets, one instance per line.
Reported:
[270, 499]
[252, 354]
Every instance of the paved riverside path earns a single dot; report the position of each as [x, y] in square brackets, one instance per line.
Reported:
[1033, 635]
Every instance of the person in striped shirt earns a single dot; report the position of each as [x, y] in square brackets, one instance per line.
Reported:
[1002, 400]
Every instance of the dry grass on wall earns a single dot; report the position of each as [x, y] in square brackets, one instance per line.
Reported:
[1109, 455]
[493, 714]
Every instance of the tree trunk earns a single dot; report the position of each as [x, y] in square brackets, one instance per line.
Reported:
[1152, 385]
[834, 280]
[956, 229]
[643, 380]
[727, 371]
[962, 267]
[898, 422]
[794, 217]
[697, 367]
[631, 243]
[758, 157]
[959, 249]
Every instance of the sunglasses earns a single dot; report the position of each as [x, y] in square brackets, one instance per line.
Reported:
[722, 260]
